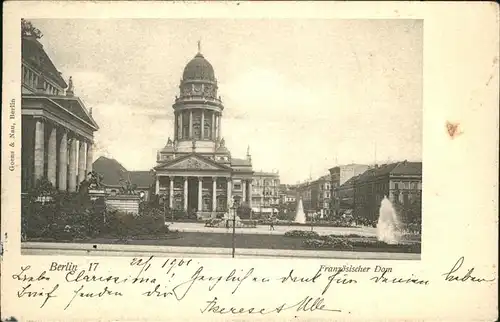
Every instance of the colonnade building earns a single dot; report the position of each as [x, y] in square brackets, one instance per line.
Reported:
[195, 171]
[57, 129]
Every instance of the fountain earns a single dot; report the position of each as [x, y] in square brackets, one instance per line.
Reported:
[300, 216]
[388, 223]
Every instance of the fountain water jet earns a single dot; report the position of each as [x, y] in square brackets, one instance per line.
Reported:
[388, 223]
[300, 216]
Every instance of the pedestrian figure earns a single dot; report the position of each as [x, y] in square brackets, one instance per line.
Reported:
[271, 225]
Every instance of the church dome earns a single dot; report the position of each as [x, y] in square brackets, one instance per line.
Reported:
[199, 69]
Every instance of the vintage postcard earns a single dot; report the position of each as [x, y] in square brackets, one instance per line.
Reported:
[250, 161]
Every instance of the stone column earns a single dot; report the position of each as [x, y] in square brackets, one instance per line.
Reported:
[72, 165]
[171, 193]
[212, 128]
[191, 124]
[63, 161]
[218, 125]
[52, 156]
[229, 192]
[176, 126]
[90, 156]
[39, 149]
[214, 193]
[202, 124]
[181, 126]
[249, 192]
[200, 193]
[82, 148]
[185, 193]
[157, 185]
[244, 190]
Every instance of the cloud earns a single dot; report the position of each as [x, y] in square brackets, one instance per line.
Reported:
[330, 92]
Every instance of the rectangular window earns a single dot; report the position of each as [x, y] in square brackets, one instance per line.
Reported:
[185, 125]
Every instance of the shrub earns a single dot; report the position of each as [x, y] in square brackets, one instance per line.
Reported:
[128, 225]
[329, 242]
[301, 234]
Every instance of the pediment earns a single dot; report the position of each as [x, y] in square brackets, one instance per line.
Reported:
[192, 162]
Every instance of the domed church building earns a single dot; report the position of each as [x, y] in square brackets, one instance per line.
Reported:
[195, 171]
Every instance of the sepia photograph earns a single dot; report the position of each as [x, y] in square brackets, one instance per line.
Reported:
[220, 137]
[180, 161]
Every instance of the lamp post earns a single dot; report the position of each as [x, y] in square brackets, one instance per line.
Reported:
[233, 209]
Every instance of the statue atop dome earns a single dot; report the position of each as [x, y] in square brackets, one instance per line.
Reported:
[169, 142]
[222, 143]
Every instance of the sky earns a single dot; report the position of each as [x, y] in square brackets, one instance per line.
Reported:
[304, 94]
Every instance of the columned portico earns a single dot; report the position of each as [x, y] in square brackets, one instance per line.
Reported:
[52, 124]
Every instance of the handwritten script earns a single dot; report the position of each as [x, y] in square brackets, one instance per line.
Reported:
[176, 280]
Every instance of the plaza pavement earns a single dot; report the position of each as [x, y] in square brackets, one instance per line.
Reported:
[278, 230]
[73, 249]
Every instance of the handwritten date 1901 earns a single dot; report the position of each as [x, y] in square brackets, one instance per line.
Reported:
[308, 304]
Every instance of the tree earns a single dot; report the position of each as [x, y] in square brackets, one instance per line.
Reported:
[28, 30]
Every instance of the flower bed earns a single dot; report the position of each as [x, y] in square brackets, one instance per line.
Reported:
[333, 242]
[301, 234]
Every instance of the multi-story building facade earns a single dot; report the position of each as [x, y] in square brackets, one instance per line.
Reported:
[343, 197]
[287, 194]
[316, 195]
[57, 128]
[265, 192]
[339, 175]
[401, 182]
